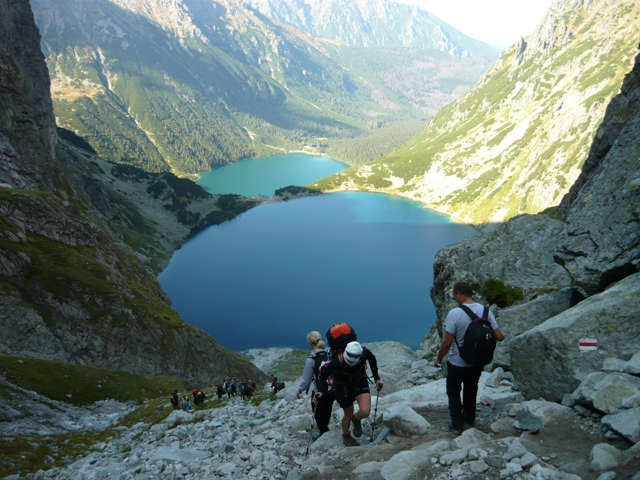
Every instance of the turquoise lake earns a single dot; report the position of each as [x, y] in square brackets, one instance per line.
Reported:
[263, 176]
[268, 277]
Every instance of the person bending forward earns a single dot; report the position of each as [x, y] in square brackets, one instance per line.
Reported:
[349, 372]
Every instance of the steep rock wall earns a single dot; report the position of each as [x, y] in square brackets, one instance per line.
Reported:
[68, 290]
[589, 245]
[28, 132]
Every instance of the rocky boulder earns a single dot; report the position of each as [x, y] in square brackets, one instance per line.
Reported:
[520, 318]
[548, 362]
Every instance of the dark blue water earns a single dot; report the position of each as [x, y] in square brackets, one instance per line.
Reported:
[280, 270]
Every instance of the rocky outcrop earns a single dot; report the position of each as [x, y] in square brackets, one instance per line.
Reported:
[602, 209]
[548, 362]
[589, 247]
[69, 289]
[28, 132]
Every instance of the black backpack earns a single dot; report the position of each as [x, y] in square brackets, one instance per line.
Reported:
[479, 339]
[319, 357]
[339, 335]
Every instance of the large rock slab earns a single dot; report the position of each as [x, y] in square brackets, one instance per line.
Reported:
[547, 360]
[626, 423]
[603, 206]
[433, 395]
[518, 252]
[520, 318]
[611, 391]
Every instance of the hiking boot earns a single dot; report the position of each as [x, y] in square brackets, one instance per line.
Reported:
[454, 429]
[471, 423]
[349, 441]
[316, 436]
[357, 427]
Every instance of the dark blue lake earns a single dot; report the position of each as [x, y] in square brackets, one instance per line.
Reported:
[276, 272]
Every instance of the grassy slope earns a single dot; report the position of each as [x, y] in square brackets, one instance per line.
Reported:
[162, 102]
[82, 385]
[516, 142]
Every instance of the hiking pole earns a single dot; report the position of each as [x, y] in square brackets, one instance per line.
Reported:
[313, 418]
[375, 412]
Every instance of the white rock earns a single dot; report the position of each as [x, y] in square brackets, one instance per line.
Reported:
[633, 365]
[612, 364]
[603, 457]
[477, 466]
[516, 450]
[404, 421]
[528, 460]
[404, 465]
[457, 456]
[470, 438]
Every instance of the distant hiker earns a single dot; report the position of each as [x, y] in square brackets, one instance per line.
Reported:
[322, 409]
[198, 397]
[459, 372]
[175, 401]
[351, 383]
[274, 384]
[232, 388]
[248, 391]
[219, 390]
[186, 403]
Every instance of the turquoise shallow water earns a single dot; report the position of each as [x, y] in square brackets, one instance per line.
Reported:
[280, 270]
[264, 175]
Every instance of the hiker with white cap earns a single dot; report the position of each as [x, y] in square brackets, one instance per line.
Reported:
[348, 370]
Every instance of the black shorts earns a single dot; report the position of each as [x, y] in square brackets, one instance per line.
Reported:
[346, 393]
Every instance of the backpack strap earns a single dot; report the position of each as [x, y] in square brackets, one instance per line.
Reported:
[469, 312]
[472, 315]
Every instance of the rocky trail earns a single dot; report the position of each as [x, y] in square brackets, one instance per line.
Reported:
[268, 438]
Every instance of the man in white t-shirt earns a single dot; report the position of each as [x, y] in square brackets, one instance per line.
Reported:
[460, 373]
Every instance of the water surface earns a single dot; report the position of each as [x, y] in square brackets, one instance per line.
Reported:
[264, 175]
[280, 270]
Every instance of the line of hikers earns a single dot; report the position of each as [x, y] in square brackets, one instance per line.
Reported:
[339, 372]
[231, 388]
[184, 402]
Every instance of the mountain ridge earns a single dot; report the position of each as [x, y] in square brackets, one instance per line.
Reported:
[139, 80]
[380, 23]
[484, 157]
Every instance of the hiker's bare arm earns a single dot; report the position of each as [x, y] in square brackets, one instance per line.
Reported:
[444, 348]
[499, 334]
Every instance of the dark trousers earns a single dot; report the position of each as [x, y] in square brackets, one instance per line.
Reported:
[322, 411]
[465, 379]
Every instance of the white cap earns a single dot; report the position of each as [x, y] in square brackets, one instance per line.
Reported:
[352, 353]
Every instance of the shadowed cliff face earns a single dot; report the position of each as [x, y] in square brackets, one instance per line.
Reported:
[27, 133]
[68, 290]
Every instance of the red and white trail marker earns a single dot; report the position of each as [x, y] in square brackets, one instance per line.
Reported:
[588, 344]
